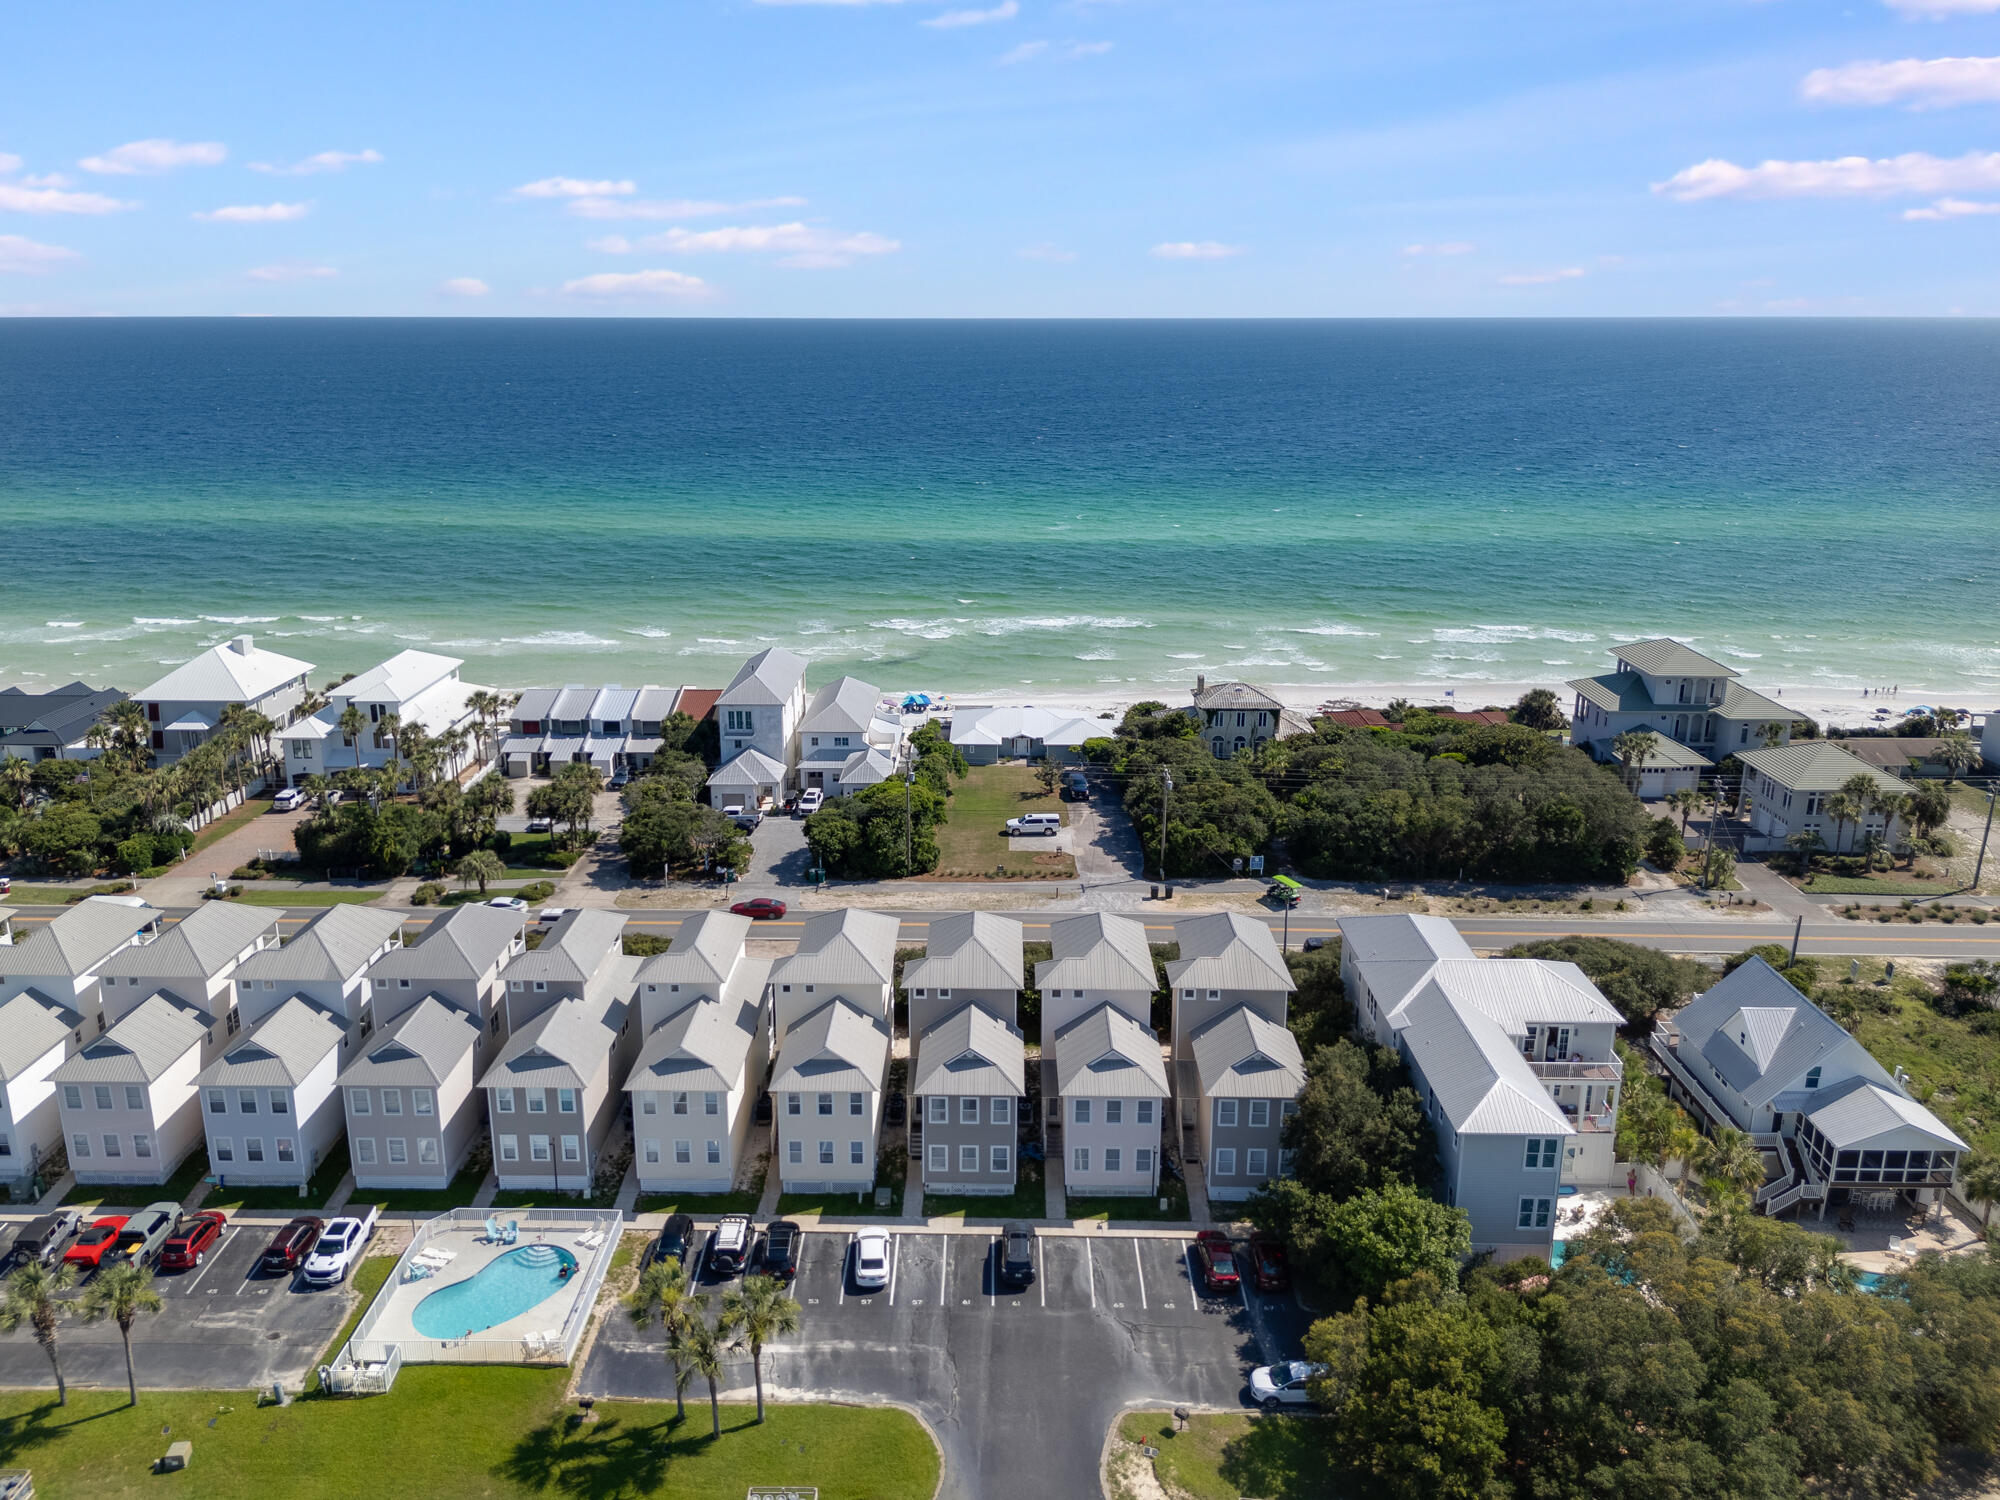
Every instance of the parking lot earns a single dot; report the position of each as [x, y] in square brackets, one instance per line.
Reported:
[224, 1326]
[1020, 1386]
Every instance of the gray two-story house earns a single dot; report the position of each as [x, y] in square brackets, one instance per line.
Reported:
[968, 1058]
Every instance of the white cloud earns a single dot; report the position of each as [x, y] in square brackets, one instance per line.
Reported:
[611, 244]
[324, 161]
[1448, 247]
[637, 284]
[151, 157]
[796, 245]
[1022, 53]
[1845, 177]
[853, 3]
[1054, 51]
[1046, 251]
[290, 273]
[952, 20]
[48, 200]
[1937, 10]
[1542, 278]
[48, 179]
[670, 208]
[575, 187]
[30, 257]
[256, 213]
[1936, 83]
[465, 286]
[1194, 250]
[9, 162]
[1950, 208]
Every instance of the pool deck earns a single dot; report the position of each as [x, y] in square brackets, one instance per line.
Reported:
[393, 1323]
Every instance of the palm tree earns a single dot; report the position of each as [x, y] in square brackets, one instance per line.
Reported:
[754, 1314]
[480, 866]
[1686, 803]
[121, 1293]
[1930, 808]
[694, 1342]
[1956, 753]
[1682, 1142]
[1773, 733]
[1843, 809]
[1979, 1180]
[1805, 843]
[1894, 808]
[16, 775]
[130, 736]
[351, 723]
[1633, 748]
[1730, 1157]
[663, 1293]
[34, 1296]
[1874, 847]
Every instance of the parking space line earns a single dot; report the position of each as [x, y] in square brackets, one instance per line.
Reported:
[841, 1300]
[220, 1245]
[1090, 1270]
[895, 1254]
[944, 1275]
[1042, 1281]
[993, 1273]
[1142, 1275]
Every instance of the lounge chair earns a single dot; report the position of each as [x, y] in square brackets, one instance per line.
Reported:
[511, 1233]
[492, 1231]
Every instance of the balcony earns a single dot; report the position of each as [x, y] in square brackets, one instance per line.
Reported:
[1577, 1070]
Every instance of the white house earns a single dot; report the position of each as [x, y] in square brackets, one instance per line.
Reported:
[827, 1093]
[458, 962]
[985, 734]
[1697, 707]
[325, 962]
[184, 707]
[59, 962]
[612, 728]
[1786, 789]
[128, 1102]
[192, 963]
[270, 1104]
[847, 954]
[758, 716]
[413, 1108]
[36, 1035]
[419, 688]
[850, 738]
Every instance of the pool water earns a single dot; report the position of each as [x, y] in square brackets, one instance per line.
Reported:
[505, 1288]
[1556, 1253]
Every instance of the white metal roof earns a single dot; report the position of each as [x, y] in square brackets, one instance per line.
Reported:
[1480, 1079]
[1105, 1053]
[701, 1046]
[74, 942]
[835, 1049]
[1243, 1055]
[420, 1048]
[706, 950]
[844, 706]
[143, 1045]
[994, 726]
[971, 1051]
[769, 677]
[1517, 993]
[1399, 936]
[1228, 950]
[1857, 1111]
[30, 1028]
[283, 1048]
[1097, 951]
[851, 946]
[237, 671]
[199, 946]
[974, 950]
[751, 768]
[562, 1047]
[574, 949]
[335, 945]
[1789, 1035]
[462, 944]
[400, 678]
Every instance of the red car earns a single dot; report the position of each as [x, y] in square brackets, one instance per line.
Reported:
[759, 907]
[291, 1245]
[1217, 1258]
[95, 1242]
[1268, 1267]
[191, 1241]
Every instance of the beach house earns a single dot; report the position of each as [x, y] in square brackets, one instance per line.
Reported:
[613, 728]
[55, 724]
[128, 1101]
[985, 733]
[968, 1056]
[1753, 1053]
[703, 1056]
[849, 739]
[1787, 791]
[325, 962]
[848, 954]
[411, 1098]
[758, 717]
[412, 693]
[1515, 1060]
[184, 707]
[193, 964]
[1236, 716]
[458, 960]
[36, 1036]
[1697, 708]
[59, 962]
[271, 1104]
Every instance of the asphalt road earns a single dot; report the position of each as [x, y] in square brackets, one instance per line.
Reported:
[1020, 1387]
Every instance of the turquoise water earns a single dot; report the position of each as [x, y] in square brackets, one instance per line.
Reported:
[1083, 508]
[1556, 1254]
[505, 1288]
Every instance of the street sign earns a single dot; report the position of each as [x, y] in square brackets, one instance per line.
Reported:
[1256, 864]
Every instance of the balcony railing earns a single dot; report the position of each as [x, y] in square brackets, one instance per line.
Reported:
[1594, 1124]
[1577, 1070]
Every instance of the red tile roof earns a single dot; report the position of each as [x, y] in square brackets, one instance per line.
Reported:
[697, 703]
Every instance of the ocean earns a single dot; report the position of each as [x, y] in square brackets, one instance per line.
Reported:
[1070, 511]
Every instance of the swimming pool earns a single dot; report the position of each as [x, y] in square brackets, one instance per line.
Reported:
[505, 1288]
[1556, 1253]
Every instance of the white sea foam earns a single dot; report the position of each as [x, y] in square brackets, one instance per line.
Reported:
[1500, 635]
[161, 620]
[646, 632]
[716, 640]
[322, 619]
[1097, 656]
[1329, 630]
[241, 619]
[65, 624]
[1740, 653]
[557, 638]
[1184, 656]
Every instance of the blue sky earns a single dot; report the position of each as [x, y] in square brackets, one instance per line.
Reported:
[1167, 158]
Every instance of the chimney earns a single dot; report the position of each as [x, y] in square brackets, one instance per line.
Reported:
[1200, 683]
[243, 645]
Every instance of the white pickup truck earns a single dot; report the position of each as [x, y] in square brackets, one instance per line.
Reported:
[340, 1245]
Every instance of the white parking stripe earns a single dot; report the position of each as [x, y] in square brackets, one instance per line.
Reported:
[895, 1254]
[1042, 1280]
[993, 1272]
[1090, 1270]
[220, 1245]
[944, 1275]
[1142, 1274]
[841, 1300]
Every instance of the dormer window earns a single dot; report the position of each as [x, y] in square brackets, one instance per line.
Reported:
[1812, 1079]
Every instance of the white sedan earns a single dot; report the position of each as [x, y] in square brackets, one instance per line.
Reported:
[509, 903]
[871, 1259]
[1274, 1386]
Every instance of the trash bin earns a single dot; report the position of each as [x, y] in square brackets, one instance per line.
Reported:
[1153, 893]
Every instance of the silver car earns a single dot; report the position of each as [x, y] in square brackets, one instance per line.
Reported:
[871, 1259]
[1283, 1385]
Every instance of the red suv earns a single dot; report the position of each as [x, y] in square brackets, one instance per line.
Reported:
[1268, 1267]
[188, 1244]
[1217, 1258]
[291, 1245]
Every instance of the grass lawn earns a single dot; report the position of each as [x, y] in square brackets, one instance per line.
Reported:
[701, 1205]
[285, 1199]
[223, 826]
[367, 1279]
[1862, 885]
[972, 843]
[455, 1432]
[1134, 1208]
[135, 1196]
[277, 895]
[458, 1193]
[462, 898]
[47, 895]
[844, 1205]
[1223, 1455]
[1029, 1200]
[1954, 1069]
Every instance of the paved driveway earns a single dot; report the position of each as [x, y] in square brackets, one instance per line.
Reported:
[1102, 839]
[778, 856]
[1020, 1387]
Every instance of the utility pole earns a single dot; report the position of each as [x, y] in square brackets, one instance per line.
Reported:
[909, 791]
[1166, 786]
[1797, 927]
[1992, 792]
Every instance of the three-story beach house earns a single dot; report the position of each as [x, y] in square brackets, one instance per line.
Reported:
[186, 706]
[758, 717]
[458, 961]
[271, 1103]
[1697, 709]
[968, 1057]
[413, 1107]
[325, 962]
[848, 739]
[413, 691]
[1232, 717]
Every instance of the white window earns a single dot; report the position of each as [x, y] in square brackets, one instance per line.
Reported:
[649, 1104]
[218, 1102]
[1003, 1111]
[101, 1095]
[1114, 1159]
[6, 1146]
[1260, 1113]
[1253, 1161]
[968, 1110]
[79, 1145]
[1081, 1114]
[566, 1101]
[795, 1152]
[72, 1096]
[503, 1101]
[1142, 1160]
[652, 1153]
[1225, 1161]
[711, 1103]
[1114, 1111]
[856, 1153]
[1284, 1162]
[246, 1102]
[715, 1153]
[253, 1148]
[223, 1148]
[420, 1101]
[940, 1158]
[826, 1153]
[572, 1150]
[683, 1152]
[538, 1148]
[791, 1104]
[826, 1104]
[280, 1105]
[538, 1100]
[968, 1158]
[111, 1147]
[427, 1150]
[135, 1096]
[854, 1104]
[1145, 1111]
[1001, 1157]
[1534, 1213]
[364, 1149]
[392, 1101]
[399, 1151]
[1079, 1159]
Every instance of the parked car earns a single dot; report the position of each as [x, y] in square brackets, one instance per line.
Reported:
[871, 1259]
[509, 903]
[675, 1239]
[1274, 1386]
[1035, 823]
[145, 1233]
[291, 1245]
[1217, 1259]
[761, 1114]
[195, 1237]
[540, 825]
[6, 885]
[741, 816]
[779, 1254]
[619, 781]
[729, 1245]
[810, 801]
[46, 1239]
[897, 1111]
[1076, 786]
[338, 1248]
[1016, 1264]
[548, 916]
[96, 1242]
[289, 799]
[760, 908]
[1313, 945]
[1269, 1270]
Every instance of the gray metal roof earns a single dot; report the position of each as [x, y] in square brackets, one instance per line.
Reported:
[1395, 936]
[1625, 693]
[706, 949]
[1242, 1055]
[1815, 766]
[29, 1029]
[1856, 1112]
[749, 769]
[835, 1049]
[652, 704]
[971, 1051]
[1478, 1076]
[1740, 702]
[75, 941]
[1763, 1036]
[844, 706]
[1666, 658]
[286, 1046]
[574, 949]
[152, 1037]
[53, 719]
[1615, 692]
[1106, 1053]
[336, 945]
[1228, 950]
[1516, 993]
[771, 676]
[563, 1046]
[849, 946]
[418, 1050]
[462, 944]
[534, 704]
[573, 702]
[1097, 951]
[701, 1046]
[199, 946]
[973, 950]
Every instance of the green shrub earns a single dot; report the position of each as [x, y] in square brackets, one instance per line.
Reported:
[108, 888]
[246, 872]
[427, 894]
[501, 841]
[541, 890]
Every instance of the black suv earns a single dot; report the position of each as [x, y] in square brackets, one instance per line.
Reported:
[779, 1255]
[729, 1245]
[676, 1239]
[1016, 1265]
